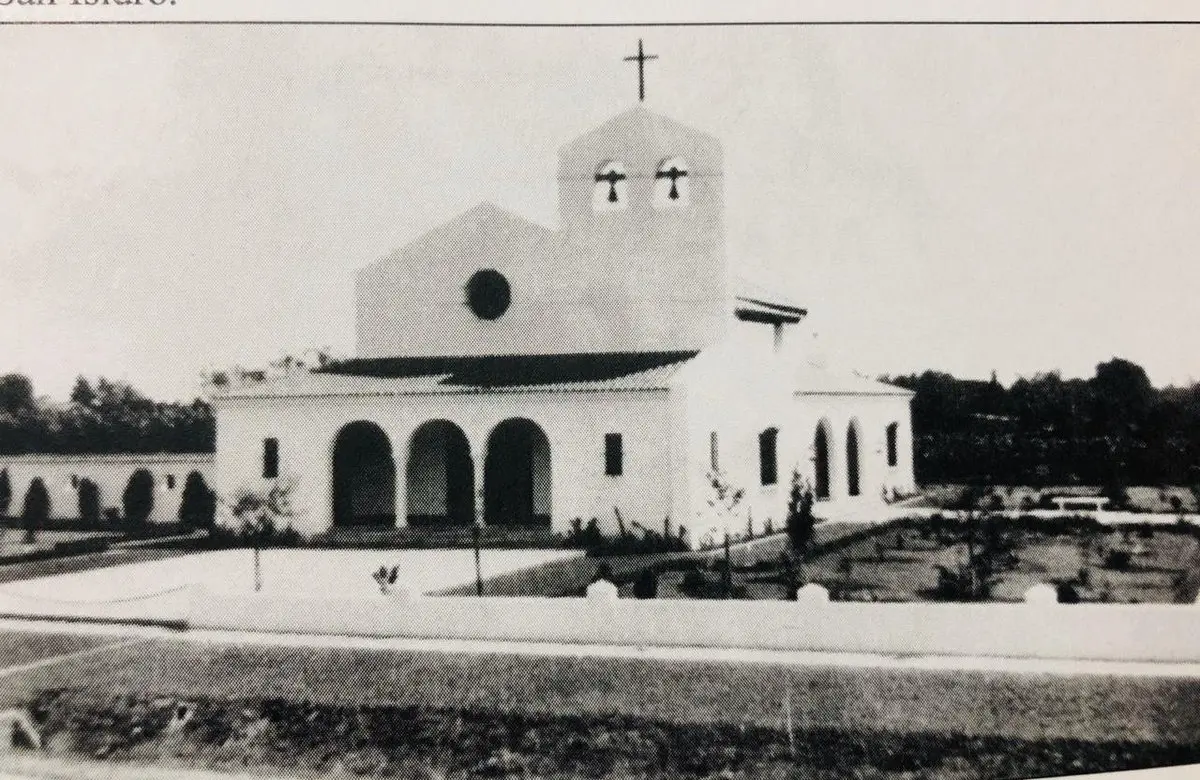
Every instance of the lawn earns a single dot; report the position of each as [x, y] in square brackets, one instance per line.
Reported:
[19, 648]
[900, 562]
[593, 717]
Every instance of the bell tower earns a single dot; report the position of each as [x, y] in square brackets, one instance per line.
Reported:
[641, 208]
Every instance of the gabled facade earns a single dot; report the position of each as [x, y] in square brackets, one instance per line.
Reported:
[509, 373]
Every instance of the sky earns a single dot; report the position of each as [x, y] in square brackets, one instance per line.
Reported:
[969, 199]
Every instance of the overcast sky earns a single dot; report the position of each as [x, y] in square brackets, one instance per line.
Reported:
[964, 198]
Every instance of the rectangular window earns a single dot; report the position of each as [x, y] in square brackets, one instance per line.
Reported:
[614, 455]
[270, 458]
[768, 467]
[713, 456]
[170, 482]
[892, 453]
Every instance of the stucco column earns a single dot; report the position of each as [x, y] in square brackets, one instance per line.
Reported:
[400, 436]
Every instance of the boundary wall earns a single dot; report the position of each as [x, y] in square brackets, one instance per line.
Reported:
[1109, 632]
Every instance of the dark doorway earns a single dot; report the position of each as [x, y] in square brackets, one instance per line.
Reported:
[516, 478]
[821, 463]
[441, 476]
[364, 477]
[852, 486]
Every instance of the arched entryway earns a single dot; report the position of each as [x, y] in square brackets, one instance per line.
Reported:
[821, 461]
[853, 487]
[516, 480]
[440, 478]
[364, 476]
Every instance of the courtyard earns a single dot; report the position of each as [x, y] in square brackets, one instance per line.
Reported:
[294, 572]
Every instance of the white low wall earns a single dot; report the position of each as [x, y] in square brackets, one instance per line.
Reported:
[1142, 632]
[61, 475]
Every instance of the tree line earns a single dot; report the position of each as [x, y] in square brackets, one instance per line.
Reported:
[101, 417]
[1114, 428]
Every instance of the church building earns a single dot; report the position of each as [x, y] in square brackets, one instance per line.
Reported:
[511, 373]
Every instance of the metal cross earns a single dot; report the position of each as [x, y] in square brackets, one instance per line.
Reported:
[641, 61]
[612, 177]
[674, 174]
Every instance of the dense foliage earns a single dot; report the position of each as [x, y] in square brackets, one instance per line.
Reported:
[1114, 428]
[107, 417]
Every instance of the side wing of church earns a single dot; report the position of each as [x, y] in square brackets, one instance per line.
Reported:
[517, 375]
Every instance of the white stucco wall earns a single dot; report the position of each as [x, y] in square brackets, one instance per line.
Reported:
[871, 414]
[574, 423]
[111, 473]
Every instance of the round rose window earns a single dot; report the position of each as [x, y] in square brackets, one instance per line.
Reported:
[488, 294]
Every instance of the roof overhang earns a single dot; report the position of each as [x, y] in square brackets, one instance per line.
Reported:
[767, 312]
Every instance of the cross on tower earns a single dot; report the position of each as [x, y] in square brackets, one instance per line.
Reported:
[674, 174]
[641, 61]
[612, 176]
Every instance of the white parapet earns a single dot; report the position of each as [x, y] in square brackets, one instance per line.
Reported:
[1041, 594]
[602, 591]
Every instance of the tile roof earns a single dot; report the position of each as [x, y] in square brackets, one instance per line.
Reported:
[575, 372]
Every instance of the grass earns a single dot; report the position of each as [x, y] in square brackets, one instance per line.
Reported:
[900, 701]
[18, 648]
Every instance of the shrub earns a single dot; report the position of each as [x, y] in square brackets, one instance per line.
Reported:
[645, 585]
[603, 572]
[89, 501]
[36, 510]
[1176, 503]
[698, 584]
[138, 498]
[5, 491]
[1117, 560]
[1085, 576]
[198, 504]
[112, 516]
[800, 519]
[789, 576]
[1067, 593]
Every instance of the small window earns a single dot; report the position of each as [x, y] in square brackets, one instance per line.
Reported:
[892, 449]
[671, 188]
[612, 187]
[170, 482]
[768, 467]
[74, 480]
[270, 458]
[614, 455]
[714, 459]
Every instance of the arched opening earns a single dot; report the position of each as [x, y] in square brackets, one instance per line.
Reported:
[852, 482]
[440, 479]
[671, 188]
[821, 462]
[516, 476]
[893, 453]
[612, 186]
[364, 476]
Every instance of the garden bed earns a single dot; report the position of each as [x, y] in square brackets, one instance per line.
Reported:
[915, 559]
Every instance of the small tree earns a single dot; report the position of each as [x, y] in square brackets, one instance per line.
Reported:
[138, 498]
[800, 520]
[5, 491]
[36, 511]
[725, 501]
[198, 504]
[89, 501]
[261, 515]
